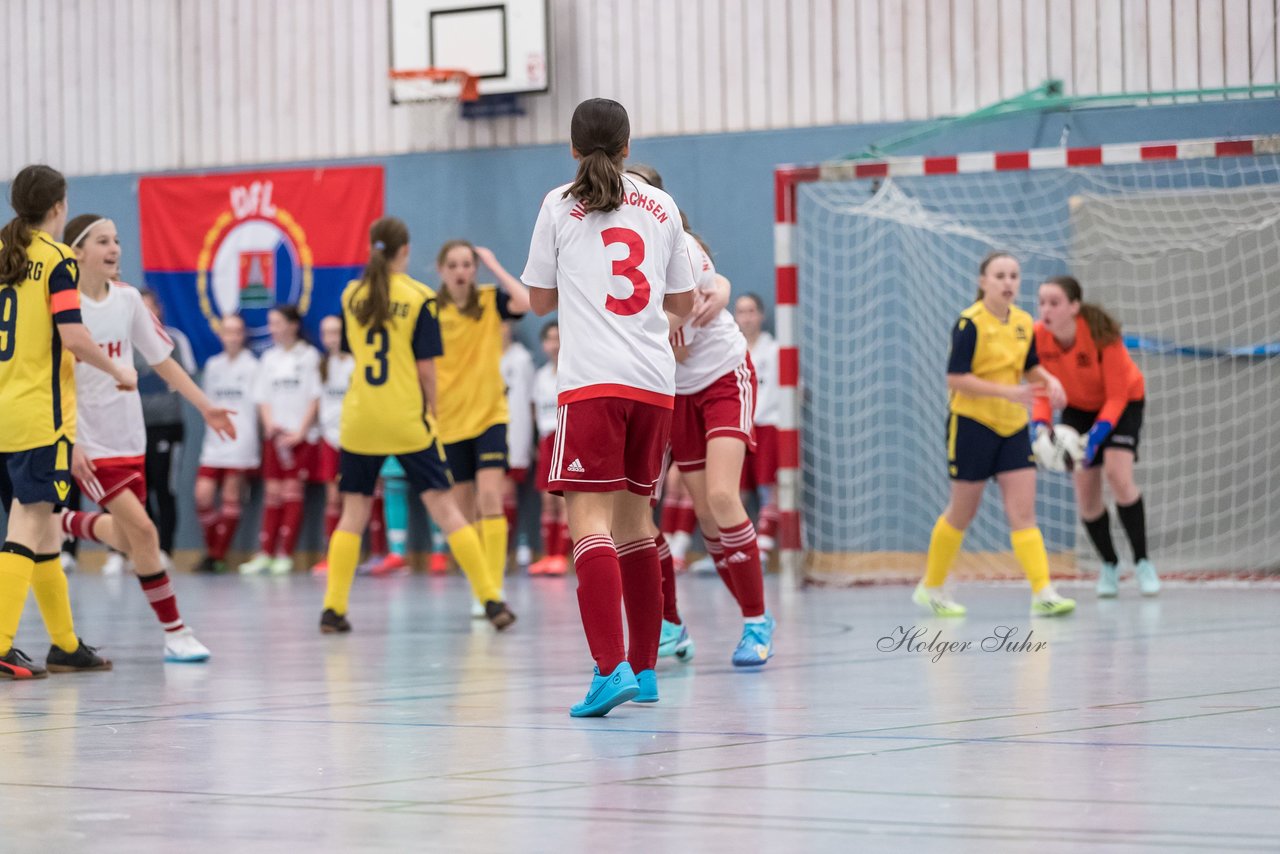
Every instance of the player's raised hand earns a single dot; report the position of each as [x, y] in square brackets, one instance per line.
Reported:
[487, 258]
[219, 421]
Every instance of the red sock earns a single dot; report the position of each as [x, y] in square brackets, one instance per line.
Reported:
[670, 516]
[642, 597]
[290, 527]
[716, 552]
[270, 528]
[332, 513]
[228, 521]
[600, 600]
[79, 524]
[377, 527]
[742, 562]
[209, 518]
[512, 511]
[669, 611]
[163, 600]
[686, 518]
[550, 532]
[563, 540]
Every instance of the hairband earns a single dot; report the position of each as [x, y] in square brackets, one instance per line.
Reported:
[378, 244]
[88, 228]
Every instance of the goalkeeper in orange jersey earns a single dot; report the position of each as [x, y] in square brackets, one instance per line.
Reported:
[1080, 344]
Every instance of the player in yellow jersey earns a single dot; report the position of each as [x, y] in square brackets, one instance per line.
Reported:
[391, 328]
[41, 335]
[472, 395]
[992, 349]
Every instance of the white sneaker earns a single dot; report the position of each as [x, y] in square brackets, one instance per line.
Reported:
[703, 565]
[68, 562]
[256, 565]
[182, 646]
[114, 564]
[281, 565]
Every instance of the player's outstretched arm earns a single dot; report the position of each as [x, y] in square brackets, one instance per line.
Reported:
[217, 417]
[517, 293]
[1052, 385]
[76, 338]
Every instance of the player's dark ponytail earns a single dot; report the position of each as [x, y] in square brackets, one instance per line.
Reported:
[599, 131]
[386, 237]
[1104, 328]
[35, 190]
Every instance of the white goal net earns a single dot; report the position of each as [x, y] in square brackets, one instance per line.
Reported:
[1185, 253]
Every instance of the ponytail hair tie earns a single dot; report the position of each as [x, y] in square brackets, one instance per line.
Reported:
[379, 245]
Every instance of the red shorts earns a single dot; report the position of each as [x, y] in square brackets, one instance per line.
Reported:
[761, 468]
[608, 444]
[727, 407]
[115, 475]
[300, 464]
[217, 473]
[326, 468]
[546, 446]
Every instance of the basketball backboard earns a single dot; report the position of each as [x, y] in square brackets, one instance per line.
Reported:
[504, 44]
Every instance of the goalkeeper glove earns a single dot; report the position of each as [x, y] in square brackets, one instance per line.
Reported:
[1098, 434]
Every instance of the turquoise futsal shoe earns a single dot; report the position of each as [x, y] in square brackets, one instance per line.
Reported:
[756, 646]
[648, 681]
[675, 641]
[606, 692]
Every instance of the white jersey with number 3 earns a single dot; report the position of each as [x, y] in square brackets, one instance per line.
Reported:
[714, 349]
[110, 420]
[612, 270]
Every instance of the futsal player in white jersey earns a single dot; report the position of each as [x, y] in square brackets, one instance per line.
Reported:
[555, 526]
[516, 366]
[760, 473]
[109, 455]
[288, 396]
[226, 462]
[608, 253]
[334, 372]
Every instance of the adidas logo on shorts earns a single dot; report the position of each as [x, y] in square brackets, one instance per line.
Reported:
[576, 466]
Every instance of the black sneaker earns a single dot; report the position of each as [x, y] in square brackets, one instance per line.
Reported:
[83, 660]
[333, 623]
[16, 665]
[209, 565]
[499, 614]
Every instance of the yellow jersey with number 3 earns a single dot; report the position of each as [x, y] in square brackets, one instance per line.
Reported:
[384, 411]
[37, 374]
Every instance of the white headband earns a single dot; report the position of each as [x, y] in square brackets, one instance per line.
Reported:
[88, 228]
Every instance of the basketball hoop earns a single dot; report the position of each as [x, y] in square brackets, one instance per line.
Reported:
[426, 84]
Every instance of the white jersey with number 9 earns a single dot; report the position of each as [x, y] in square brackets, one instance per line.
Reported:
[612, 270]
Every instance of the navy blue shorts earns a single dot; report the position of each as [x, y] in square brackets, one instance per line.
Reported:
[425, 470]
[1124, 437]
[486, 451]
[976, 452]
[37, 476]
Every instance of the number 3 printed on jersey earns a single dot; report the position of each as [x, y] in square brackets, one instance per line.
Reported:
[629, 269]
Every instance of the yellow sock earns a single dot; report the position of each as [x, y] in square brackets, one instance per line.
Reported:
[944, 545]
[15, 578]
[1028, 547]
[49, 583]
[469, 552]
[493, 530]
[344, 554]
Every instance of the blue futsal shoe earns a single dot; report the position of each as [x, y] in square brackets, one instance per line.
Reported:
[756, 646]
[675, 641]
[606, 692]
[648, 681]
